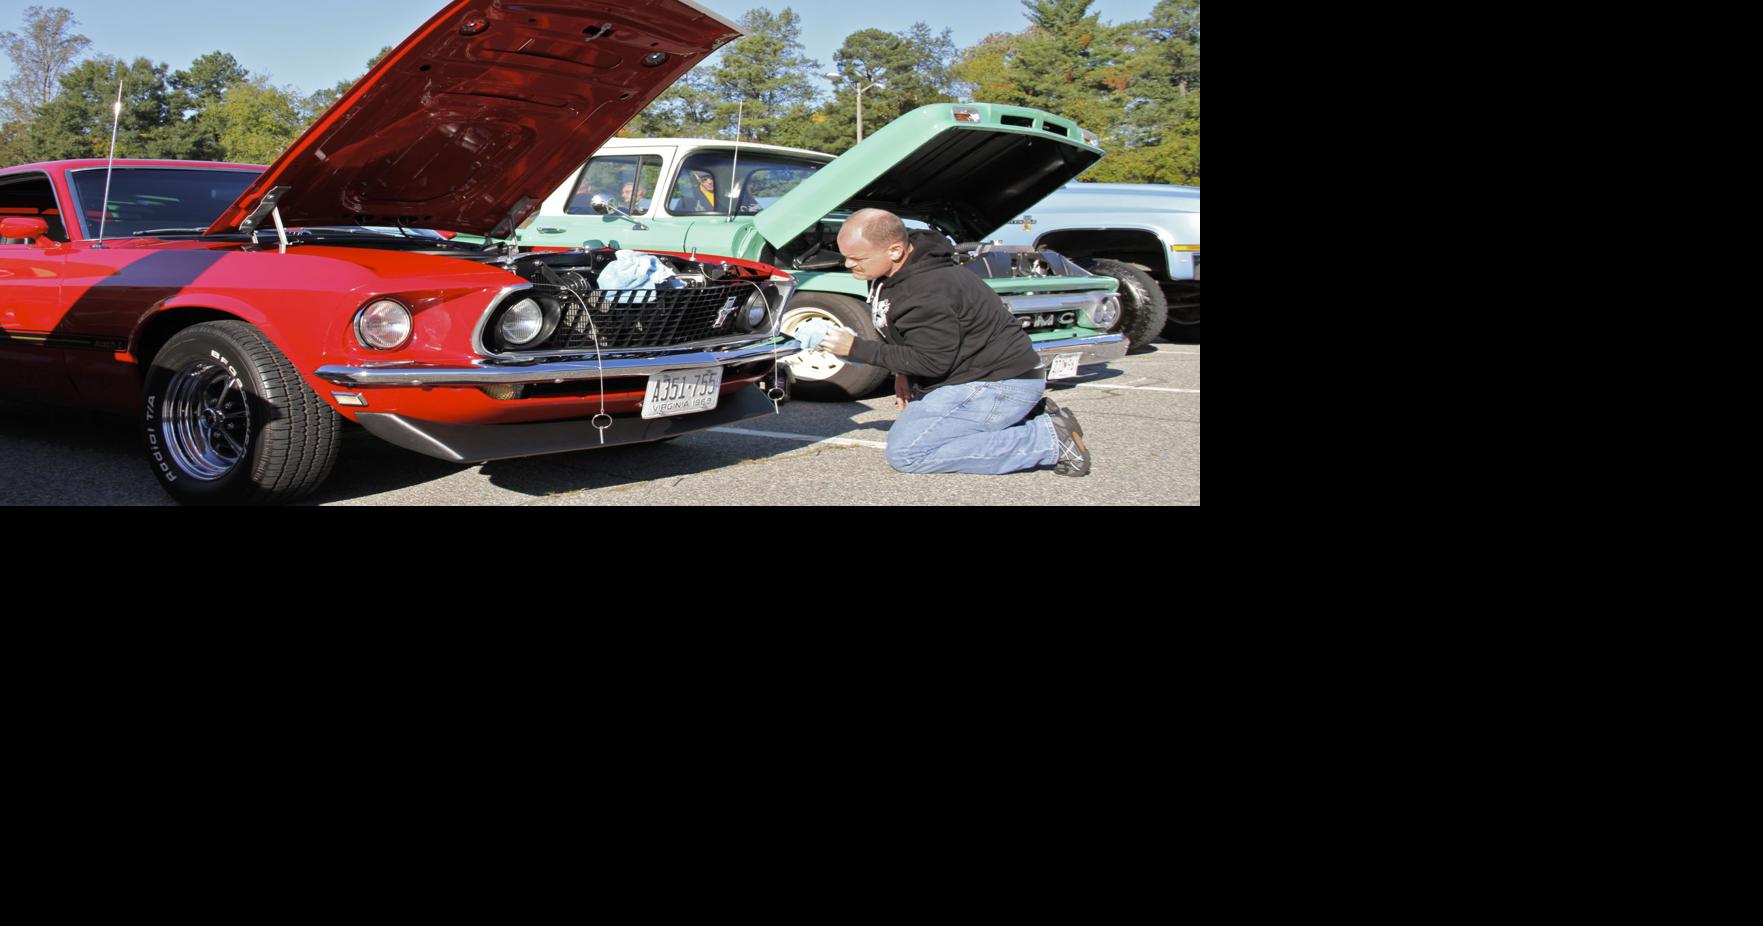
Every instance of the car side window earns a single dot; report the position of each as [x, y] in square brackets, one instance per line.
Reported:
[30, 196]
[628, 180]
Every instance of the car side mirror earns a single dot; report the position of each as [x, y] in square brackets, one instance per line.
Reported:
[27, 229]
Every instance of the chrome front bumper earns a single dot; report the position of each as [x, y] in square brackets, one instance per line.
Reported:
[486, 373]
[1099, 349]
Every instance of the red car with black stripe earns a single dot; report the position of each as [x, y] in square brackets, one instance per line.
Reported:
[246, 312]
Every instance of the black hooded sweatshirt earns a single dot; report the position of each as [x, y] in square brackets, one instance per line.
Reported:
[942, 325]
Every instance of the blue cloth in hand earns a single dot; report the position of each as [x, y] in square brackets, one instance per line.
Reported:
[811, 333]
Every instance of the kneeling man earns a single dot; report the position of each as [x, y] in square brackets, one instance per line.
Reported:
[967, 375]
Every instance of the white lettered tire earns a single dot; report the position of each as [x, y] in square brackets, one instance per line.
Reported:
[229, 421]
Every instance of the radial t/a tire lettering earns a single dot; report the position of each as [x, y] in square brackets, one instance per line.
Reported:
[229, 421]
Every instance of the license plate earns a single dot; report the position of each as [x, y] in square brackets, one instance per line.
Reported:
[1065, 366]
[683, 392]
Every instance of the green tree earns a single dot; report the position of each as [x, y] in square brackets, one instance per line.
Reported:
[917, 67]
[1136, 85]
[208, 78]
[317, 104]
[687, 109]
[41, 53]
[195, 92]
[255, 122]
[763, 80]
[1158, 140]
[1070, 64]
[766, 74]
[984, 73]
[154, 124]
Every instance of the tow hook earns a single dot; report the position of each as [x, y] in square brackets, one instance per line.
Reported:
[777, 388]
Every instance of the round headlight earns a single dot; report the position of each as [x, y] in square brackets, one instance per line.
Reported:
[1104, 316]
[522, 323]
[756, 313]
[384, 325]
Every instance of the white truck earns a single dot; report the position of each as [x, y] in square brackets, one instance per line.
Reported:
[1147, 236]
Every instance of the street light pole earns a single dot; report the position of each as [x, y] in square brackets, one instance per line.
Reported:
[861, 90]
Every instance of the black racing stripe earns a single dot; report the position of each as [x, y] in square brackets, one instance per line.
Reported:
[62, 341]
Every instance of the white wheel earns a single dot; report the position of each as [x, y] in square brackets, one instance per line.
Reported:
[819, 365]
[821, 377]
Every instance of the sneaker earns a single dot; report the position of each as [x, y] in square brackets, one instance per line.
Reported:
[1074, 453]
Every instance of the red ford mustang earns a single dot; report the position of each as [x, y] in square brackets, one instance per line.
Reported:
[243, 312]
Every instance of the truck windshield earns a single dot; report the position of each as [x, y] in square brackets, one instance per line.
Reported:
[707, 182]
[156, 198]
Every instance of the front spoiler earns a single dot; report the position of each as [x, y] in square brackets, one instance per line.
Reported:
[490, 373]
[458, 443]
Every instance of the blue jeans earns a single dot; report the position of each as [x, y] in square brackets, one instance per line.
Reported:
[975, 428]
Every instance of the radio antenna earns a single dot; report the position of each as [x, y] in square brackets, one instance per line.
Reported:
[115, 122]
[734, 192]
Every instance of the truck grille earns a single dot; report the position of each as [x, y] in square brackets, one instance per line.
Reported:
[628, 319]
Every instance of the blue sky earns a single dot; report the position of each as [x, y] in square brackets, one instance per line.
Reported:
[313, 44]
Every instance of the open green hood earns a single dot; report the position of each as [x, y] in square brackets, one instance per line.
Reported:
[967, 168]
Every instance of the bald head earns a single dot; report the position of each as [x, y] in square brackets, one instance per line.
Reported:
[874, 244]
[878, 227]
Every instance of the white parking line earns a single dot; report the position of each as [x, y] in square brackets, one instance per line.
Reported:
[1137, 388]
[805, 438]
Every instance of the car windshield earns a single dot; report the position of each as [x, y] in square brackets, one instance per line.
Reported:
[184, 201]
[705, 182]
[156, 199]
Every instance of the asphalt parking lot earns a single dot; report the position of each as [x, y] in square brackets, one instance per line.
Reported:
[1141, 414]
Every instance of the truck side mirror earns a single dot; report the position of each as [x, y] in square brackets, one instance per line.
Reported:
[27, 229]
[604, 205]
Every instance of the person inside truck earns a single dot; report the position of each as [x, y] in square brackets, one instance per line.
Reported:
[635, 200]
[696, 193]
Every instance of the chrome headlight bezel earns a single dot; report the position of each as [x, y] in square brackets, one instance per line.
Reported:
[385, 325]
[1104, 315]
[542, 326]
[765, 307]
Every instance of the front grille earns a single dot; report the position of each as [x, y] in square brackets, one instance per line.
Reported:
[675, 317]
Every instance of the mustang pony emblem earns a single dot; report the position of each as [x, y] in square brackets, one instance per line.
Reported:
[729, 308]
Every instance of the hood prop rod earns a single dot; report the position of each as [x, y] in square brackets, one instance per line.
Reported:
[268, 207]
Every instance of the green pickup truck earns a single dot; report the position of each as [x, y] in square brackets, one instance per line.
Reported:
[962, 169]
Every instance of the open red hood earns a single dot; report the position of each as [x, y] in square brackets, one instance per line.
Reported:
[481, 114]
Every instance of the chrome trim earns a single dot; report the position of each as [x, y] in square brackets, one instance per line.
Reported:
[487, 373]
[1087, 317]
[73, 189]
[483, 324]
[1099, 349]
[361, 315]
[1034, 305]
[723, 341]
